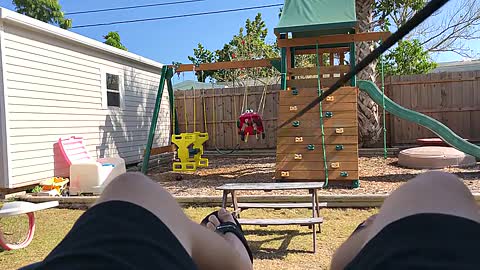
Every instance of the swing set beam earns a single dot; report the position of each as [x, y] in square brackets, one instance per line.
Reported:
[333, 39]
[225, 65]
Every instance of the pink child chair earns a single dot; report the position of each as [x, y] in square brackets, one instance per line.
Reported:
[20, 239]
[88, 175]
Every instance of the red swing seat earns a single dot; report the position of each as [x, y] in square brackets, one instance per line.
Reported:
[250, 124]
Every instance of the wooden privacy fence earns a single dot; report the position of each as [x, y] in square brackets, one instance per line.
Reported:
[453, 98]
[223, 106]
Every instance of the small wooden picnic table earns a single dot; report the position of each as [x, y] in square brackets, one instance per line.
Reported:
[312, 187]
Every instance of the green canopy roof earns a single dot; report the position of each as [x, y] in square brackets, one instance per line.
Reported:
[308, 17]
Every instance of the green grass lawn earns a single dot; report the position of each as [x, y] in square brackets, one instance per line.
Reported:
[282, 247]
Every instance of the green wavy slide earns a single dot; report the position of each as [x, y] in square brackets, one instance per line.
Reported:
[433, 125]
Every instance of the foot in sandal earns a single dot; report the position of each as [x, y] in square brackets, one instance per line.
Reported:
[223, 223]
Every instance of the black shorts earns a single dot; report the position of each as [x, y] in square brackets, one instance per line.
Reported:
[423, 241]
[118, 235]
[121, 235]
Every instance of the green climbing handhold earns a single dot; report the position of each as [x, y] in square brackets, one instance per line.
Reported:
[356, 184]
[344, 174]
[295, 92]
[329, 114]
[296, 123]
[311, 147]
[339, 147]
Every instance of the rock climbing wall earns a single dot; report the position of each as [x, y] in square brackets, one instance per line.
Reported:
[300, 151]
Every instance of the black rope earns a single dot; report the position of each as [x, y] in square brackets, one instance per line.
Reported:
[132, 7]
[421, 16]
[179, 16]
[227, 152]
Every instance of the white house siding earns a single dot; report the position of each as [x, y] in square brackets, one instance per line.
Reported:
[54, 89]
[3, 126]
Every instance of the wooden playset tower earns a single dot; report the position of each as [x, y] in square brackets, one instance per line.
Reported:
[321, 145]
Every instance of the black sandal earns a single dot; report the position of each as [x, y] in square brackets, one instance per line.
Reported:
[230, 227]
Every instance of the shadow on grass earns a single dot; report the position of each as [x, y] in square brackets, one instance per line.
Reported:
[286, 236]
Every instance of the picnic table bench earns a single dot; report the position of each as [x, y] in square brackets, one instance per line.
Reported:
[312, 187]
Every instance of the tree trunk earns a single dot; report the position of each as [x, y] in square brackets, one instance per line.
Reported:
[369, 127]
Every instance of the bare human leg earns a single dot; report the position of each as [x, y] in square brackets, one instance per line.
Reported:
[204, 246]
[432, 192]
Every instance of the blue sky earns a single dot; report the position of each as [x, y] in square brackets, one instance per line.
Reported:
[173, 40]
[167, 40]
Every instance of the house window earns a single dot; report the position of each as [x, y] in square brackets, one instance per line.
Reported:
[113, 90]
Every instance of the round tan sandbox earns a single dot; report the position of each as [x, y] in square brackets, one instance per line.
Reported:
[434, 157]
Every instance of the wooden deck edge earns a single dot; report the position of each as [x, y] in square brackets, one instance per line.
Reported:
[333, 201]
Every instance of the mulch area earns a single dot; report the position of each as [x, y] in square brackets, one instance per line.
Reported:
[377, 176]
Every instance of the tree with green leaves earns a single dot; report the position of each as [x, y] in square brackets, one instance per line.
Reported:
[249, 44]
[395, 12]
[113, 39]
[202, 55]
[447, 30]
[408, 57]
[49, 11]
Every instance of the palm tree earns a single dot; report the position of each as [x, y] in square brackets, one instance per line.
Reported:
[369, 126]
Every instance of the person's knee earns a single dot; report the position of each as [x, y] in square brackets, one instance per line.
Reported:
[434, 178]
[132, 186]
[129, 179]
[431, 192]
[436, 183]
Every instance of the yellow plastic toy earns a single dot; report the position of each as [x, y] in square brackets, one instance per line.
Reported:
[190, 145]
[190, 151]
[198, 144]
[54, 186]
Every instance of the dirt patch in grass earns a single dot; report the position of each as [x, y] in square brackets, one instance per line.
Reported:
[283, 247]
[377, 176]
